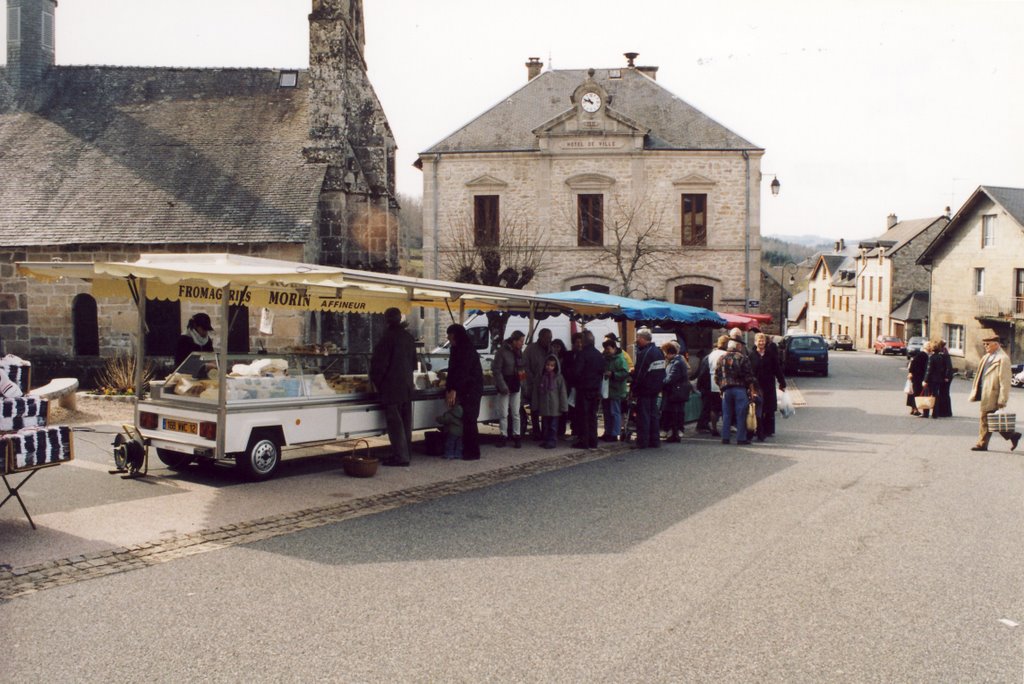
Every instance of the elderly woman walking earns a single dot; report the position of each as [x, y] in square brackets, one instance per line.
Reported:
[915, 374]
[764, 361]
[938, 375]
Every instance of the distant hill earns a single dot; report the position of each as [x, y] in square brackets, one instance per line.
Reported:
[815, 242]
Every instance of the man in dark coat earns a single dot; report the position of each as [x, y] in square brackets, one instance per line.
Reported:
[648, 380]
[391, 371]
[588, 371]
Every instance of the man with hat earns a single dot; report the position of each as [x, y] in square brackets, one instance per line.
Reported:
[992, 388]
[391, 371]
[195, 338]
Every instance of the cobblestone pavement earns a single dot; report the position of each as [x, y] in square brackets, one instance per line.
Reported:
[26, 580]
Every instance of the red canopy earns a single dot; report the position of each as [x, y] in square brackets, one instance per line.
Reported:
[746, 321]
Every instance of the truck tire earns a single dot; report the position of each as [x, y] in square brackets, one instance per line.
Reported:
[175, 460]
[261, 458]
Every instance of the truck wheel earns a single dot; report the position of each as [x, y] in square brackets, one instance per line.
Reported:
[260, 459]
[175, 460]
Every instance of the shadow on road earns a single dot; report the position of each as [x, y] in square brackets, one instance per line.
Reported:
[604, 506]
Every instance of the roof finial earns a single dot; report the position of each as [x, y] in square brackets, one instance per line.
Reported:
[630, 57]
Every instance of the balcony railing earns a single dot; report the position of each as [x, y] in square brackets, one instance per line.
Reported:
[994, 307]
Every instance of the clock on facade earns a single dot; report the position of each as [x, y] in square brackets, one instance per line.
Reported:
[590, 102]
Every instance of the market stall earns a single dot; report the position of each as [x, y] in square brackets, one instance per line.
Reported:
[218, 406]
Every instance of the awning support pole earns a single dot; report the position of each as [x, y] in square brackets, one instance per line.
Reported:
[222, 367]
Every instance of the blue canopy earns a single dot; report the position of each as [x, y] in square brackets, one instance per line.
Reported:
[642, 309]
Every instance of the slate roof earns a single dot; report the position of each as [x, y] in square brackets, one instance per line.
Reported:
[913, 308]
[1012, 200]
[899, 235]
[145, 155]
[673, 124]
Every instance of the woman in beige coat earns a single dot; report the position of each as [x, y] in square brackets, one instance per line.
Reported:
[992, 388]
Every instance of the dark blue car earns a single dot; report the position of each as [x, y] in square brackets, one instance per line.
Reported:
[804, 353]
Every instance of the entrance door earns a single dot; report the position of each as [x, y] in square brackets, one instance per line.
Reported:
[697, 338]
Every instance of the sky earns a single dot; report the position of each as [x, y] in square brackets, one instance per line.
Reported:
[864, 108]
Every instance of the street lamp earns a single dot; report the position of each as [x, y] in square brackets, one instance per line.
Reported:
[783, 269]
[776, 185]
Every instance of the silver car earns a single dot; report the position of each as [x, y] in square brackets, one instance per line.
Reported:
[914, 344]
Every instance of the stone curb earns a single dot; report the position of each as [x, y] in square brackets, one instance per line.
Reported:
[16, 582]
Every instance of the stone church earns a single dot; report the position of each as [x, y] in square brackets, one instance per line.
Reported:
[597, 167]
[107, 162]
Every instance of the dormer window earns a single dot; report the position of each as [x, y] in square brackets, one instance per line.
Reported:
[288, 79]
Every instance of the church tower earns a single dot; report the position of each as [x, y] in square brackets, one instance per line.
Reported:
[30, 41]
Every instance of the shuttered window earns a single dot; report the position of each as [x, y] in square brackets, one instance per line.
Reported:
[591, 220]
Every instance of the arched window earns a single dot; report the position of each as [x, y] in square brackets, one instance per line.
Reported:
[238, 337]
[698, 339]
[85, 326]
[592, 287]
[163, 324]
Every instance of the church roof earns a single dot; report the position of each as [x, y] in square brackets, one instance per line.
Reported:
[147, 155]
[673, 124]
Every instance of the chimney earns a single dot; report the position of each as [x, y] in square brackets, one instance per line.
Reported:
[533, 68]
[650, 72]
[891, 221]
[30, 41]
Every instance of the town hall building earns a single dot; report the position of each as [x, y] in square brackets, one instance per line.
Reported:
[618, 184]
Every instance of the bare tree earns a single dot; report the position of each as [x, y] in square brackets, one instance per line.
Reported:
[633, 243]
[512, 257]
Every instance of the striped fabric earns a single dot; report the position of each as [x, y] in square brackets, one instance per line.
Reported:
[35, 447]
[22, 412]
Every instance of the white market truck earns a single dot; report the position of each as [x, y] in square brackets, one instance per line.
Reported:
[272, 402]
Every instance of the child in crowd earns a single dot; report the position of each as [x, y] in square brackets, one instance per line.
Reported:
[550, 400]
[451, 426]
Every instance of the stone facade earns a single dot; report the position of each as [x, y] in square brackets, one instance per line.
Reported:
[888, 272]
[959, 311]
[606, 152]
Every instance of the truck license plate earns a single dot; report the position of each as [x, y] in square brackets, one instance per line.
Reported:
[181, 426]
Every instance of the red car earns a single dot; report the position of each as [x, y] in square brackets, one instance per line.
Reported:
[886, 344]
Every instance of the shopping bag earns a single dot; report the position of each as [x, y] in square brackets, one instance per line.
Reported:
[572, 397]
[925, 402]
[605, 383]
[908, 387]
[786, 407]
[1001, 421]
[751, 417]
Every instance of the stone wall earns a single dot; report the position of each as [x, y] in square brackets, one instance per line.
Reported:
[35, 316]
[953, 300]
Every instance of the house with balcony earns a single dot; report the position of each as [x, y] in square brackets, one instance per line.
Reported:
[976, 268]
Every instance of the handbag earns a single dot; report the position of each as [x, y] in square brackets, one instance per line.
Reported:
[924, 402]
[605, 386]
[752, 417]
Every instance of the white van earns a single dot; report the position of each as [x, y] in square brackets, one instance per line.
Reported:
[562, 327]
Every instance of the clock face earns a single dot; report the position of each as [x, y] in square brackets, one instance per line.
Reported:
[591, 102]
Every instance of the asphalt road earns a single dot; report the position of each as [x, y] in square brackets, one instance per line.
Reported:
[861, 545]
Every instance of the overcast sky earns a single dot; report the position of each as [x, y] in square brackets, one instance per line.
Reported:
[864, 108]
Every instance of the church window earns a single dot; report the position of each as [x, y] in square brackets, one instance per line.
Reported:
[85, 327]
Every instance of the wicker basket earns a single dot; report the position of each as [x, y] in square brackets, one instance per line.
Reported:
[1002, 422]
[360, 464]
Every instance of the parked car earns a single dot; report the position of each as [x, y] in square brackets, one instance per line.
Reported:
[887, 344]
[838, 342]
[1017, 375]
[807, 353]
[914, 344]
